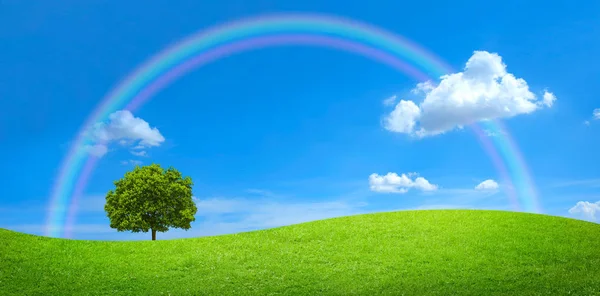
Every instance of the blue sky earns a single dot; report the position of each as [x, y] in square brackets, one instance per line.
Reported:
[286, 135]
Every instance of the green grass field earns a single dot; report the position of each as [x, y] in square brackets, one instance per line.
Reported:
[434, 252]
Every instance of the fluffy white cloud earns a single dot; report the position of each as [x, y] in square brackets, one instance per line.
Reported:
[483, 91]
[487, 185]
[403, 118]
[596, 113]
[122, 125]
[586, 209]
[548, 99]
[393, 183]
[125, 129]
[423, 88]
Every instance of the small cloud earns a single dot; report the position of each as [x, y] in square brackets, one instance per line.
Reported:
[587, 122]
[126, 142]
[393, 183]
[548, 99]
[262, 193]
[423, 88]
[487, 185]
[491, 133]
[390, 101]
[586, 209]
[141, 153]
[97, 150]
[131, 162]
[596, 113]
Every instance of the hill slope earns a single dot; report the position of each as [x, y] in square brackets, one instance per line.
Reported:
[436, 252]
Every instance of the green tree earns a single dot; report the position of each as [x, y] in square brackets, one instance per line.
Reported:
[151, 198]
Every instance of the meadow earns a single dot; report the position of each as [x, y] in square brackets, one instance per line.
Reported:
[430, 252]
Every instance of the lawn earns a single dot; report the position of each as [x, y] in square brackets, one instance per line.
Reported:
[433, 252]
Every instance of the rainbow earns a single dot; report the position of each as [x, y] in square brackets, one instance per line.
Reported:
[259, 32]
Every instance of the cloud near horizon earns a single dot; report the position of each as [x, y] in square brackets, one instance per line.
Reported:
[586, 209]
[484, 90]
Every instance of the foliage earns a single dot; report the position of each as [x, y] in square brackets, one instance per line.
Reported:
[151, 198]
[434, 252]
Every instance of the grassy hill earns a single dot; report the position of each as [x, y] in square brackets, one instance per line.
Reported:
[435, 252]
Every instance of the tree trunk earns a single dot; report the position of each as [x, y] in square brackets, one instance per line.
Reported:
[153, 234]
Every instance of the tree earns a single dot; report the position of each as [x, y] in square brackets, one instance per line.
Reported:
[151, 198]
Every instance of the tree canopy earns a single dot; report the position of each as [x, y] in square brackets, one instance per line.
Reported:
[151, 198]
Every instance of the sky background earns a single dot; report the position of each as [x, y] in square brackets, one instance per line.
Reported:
[285, 135]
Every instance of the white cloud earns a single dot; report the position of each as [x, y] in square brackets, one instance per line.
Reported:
[586, 209]
[596, 113]
[393, 183]
[139, 153]
[97, 150]
[390, 101]
[124, 128]
[122, 125]
[483, 91]
[490, 133]
[131, 162]
[403, 118]
[548, 99]
[423, 88]
[487, 185]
